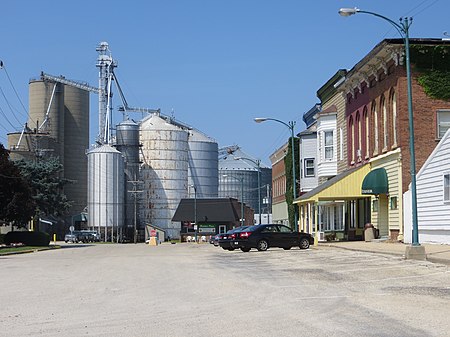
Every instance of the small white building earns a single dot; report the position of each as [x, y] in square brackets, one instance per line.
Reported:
[433, 197]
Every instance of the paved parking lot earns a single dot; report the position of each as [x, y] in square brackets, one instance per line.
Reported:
[201, 290]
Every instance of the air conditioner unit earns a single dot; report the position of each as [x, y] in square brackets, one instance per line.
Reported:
[358, 153]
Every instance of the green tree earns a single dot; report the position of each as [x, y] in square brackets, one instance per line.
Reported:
[16, 202]
[289, 183]
[44, 177]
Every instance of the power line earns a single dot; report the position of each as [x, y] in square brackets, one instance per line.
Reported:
[2, 66]
[9, 105]
[423, 9]
[6, 118]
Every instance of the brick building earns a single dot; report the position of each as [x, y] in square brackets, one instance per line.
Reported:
[377, 139]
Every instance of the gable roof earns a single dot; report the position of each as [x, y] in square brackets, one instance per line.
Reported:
[444, 141]
[208, 210]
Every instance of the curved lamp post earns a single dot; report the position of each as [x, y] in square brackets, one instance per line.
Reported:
[242, 194]
[258, 166]
[403, 29]
[290, 125]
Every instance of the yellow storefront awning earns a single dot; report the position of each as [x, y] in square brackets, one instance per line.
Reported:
[346, 185]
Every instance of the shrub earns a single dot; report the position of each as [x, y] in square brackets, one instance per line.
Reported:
[39, 239]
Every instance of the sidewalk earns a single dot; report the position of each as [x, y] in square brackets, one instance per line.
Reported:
[435, 253]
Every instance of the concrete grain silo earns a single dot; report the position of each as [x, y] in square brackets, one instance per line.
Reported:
[106, 192]
[46, 114]
[164, 172]
[203, 165]
[76, 142]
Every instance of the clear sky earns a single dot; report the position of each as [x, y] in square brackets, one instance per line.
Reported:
[213, 64]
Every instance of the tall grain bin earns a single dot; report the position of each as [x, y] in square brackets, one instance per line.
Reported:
[239, 178]
[203, 165]
[164, 172]
[45, 96]
[127, 142]
[76, 142]
[106, 192]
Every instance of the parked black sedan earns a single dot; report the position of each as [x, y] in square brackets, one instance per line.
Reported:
[264, 236]
[226, 239]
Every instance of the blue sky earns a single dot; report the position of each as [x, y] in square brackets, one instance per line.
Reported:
[213, 64]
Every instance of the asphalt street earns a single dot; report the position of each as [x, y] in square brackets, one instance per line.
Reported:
[201, 290]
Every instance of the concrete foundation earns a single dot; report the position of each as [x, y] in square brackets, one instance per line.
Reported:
[415, 253]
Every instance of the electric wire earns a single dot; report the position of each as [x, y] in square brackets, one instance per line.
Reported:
[10, 107]
[14, 89]
[414, 14]
[6, 118]
[423, 9]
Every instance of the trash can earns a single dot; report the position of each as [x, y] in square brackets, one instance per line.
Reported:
[369, 232]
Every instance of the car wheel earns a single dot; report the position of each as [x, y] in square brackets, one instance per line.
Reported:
[262, 245]
[245, 249]
[304, 243]
[231, 248]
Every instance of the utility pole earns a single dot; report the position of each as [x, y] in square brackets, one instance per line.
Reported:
[135, 192]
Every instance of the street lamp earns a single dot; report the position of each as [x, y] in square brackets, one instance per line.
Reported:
[290, 125]
[195, 210]
[241, 180]
[403, 29]
[258, 166]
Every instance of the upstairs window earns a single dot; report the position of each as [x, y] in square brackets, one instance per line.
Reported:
[394, 118]
[375, 127]
[309, 167]
[328, 142]
[385, 123]
[443, 122]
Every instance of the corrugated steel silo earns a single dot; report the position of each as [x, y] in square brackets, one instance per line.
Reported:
[245, 168]
[203, 165]
[127, 142]
[164, 172]
[106, 191]
[76, 142]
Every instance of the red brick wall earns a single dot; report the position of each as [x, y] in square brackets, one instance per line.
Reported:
[278, 181]
[424, 109]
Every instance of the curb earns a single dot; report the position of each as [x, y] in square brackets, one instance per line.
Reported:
[366, 250]
[429, 258]
[31, 250]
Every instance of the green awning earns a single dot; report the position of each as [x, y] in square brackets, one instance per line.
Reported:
[81, 217]
[375, 182]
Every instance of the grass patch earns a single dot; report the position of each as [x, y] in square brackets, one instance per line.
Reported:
[24, 249]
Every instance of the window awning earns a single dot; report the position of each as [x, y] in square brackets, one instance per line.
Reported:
[344, 186]
[375, 182]
[80, 217]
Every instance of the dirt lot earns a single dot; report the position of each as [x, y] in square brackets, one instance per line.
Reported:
[201, 290]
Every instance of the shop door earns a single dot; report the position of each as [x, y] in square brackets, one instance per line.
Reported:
[383, 215]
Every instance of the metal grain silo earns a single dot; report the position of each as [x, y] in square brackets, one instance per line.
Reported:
[240, 177]
[164, 172]
[76, 142]
[106, 192]
[203, 165]
[127, 142]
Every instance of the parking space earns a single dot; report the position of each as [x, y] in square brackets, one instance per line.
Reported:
[202, 290]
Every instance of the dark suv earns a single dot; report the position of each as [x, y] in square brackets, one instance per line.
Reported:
[264, 236]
